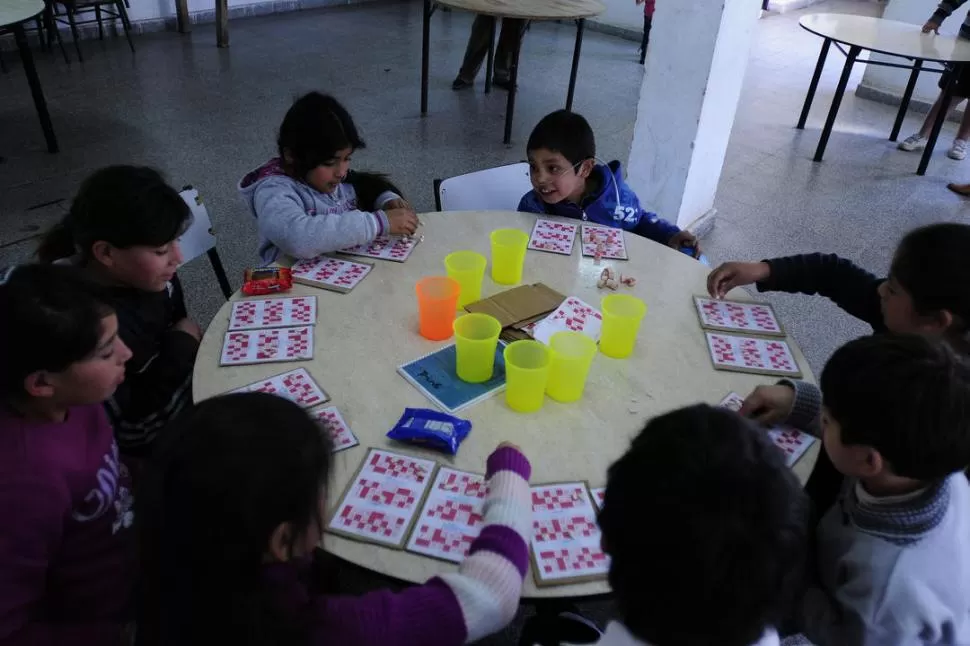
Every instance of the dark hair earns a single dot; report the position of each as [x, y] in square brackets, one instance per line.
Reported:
[564, 132]
[223, 477]
[906, 396]
[315, 127]
[51, 319]
[706, 528]
[126, 206]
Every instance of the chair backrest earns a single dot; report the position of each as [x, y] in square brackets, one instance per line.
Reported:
[198, 238]
[493, 189]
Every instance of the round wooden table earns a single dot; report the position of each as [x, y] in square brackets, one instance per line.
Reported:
[578, 10]
[362, 337]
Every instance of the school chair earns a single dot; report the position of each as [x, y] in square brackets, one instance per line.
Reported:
[492, 189]
[199, 238]
[112, 9]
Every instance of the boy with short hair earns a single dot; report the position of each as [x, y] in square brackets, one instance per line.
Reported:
[706, 528]
[893, 553]
[568, 182]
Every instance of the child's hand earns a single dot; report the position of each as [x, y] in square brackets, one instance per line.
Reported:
[931, 25]
[769, 404]
[403, 221]
[190, 327]
[685, 238]
[734, 274]
[398, 203]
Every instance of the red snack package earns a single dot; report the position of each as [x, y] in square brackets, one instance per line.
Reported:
[266, 280]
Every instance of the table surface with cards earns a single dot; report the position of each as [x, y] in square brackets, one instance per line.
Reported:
[363, 335]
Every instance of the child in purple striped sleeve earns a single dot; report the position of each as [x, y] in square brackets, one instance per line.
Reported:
[233, 511]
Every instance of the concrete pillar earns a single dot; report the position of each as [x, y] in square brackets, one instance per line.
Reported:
[691, 85]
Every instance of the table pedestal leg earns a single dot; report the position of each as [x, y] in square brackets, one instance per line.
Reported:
[490, 61]
[425, 54]
[907, 95]
[513, 86]
[580, 27]
[850, 59]
[814, 84]
[938, 122]
[222, 23]
[35, 90]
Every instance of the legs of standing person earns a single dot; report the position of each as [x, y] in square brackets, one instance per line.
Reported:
[647, 23]
[917, 141]
[512, 29]
[475, 51]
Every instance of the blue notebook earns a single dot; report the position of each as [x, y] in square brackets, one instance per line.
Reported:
[434, 375]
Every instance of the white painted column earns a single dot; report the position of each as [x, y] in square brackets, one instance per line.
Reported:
[688, 100]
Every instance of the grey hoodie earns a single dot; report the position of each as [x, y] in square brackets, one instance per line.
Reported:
[296, 220]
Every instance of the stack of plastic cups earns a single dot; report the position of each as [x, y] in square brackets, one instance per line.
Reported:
[526, 375]
[572, 356]
[508, 255]
[468, 268]
[476, 339]
[437, 300]
[622, 315]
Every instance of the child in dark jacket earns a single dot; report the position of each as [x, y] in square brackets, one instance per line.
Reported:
[122, 232]
[568, 182]
[926, 293]
[648, 9]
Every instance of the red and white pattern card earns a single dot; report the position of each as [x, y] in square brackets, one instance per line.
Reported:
[330, 273]
[733, 316]
[549, 235]
[733, 401]
[599, 495]
[383, 498]
[333, 423]
[273, 312]
[296, 385]
[573, 314]
[793, 443]
[565, 537]
[267, 346]
[749, 354]
[396, 248]
[452, 516]
[608, 240]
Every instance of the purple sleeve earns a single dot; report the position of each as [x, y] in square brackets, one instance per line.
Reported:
[507, 458]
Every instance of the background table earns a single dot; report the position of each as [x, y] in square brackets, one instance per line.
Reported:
[577, 10]
[184, 22]
[13, 15]
[362, 337]
[889, 37]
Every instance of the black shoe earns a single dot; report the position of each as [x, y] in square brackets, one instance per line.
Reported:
[461, 84]
[503, 84]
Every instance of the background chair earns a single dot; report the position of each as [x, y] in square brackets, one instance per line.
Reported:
[112, 9]
[492, 189]
[200, 238]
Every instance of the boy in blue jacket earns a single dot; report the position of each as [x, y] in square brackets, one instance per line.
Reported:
[568, 182]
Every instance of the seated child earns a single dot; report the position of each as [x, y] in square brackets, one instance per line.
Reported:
[568, 182]
[307, 201]
[893, 557]
[706, 530]
[67, 549]
[122, 232]
[925, 293]
[233, 507]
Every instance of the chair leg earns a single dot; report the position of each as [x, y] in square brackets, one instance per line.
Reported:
[77, 37]
[3, 65]
[40, 34]
[219, 270]
[97, 16]
[55, 32]
[123, 14]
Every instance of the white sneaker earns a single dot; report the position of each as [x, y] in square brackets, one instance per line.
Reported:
[959, 150]
[913, 143]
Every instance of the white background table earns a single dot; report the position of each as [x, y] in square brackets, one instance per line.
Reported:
[13, 15]
[901, 39]
[362, 337]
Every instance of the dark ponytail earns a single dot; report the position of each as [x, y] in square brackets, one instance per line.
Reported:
[125, 206]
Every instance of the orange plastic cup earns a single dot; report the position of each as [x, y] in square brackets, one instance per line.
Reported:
[437, 301]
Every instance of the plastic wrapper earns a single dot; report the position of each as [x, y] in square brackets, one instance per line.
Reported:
[432, 429]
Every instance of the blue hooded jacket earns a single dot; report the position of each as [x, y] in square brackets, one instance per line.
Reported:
[602, 208]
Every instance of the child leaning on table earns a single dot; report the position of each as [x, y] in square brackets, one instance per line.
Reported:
[307, 201]
[927, 292]
[568, 182]
[67, 548]
[723, 565]
[122, 232]
[893, 557]
[232, 509]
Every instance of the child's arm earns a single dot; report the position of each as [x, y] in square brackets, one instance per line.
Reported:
[459, 607]
[34, 511]
[943, 11]
[650, 225]
[790, 402]
[282, 220]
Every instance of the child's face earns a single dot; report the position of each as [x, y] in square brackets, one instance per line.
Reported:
[146, 268]
[900, 315]
[95, 378]
[849, 460]
[328, 176]
[555, 178]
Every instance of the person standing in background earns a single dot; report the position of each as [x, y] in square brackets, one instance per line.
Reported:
[478, 42]
[648, 7]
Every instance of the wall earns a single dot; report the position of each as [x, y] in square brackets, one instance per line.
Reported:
[624, 14]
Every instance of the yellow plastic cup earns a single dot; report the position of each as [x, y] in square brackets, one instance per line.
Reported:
[476, 337]
[572, 355]
[508, 255]
[622, 316]
[468, 268]
[437, 296]
[526, 374]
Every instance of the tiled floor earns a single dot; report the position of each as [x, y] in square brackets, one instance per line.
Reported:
[205, 116]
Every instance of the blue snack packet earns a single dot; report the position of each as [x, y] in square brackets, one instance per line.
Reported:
[431, 428]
